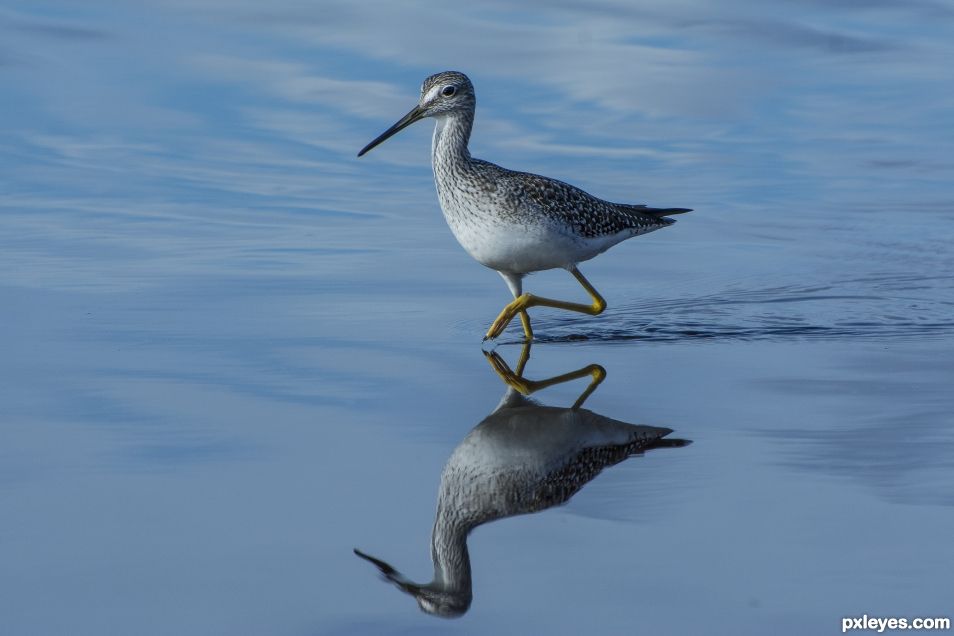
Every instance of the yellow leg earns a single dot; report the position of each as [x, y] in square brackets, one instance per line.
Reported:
[525, 321]
[524, 358]
[523, 302]
[526, 387]
[598, 374]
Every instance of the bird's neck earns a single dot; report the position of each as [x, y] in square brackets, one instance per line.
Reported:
[449, 550]
[451, 134]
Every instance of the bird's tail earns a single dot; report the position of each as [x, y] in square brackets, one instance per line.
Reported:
[669, 443]
[660, 213]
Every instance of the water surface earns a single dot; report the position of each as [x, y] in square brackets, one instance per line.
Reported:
[232, 352]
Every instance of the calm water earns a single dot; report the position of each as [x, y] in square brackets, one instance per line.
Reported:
[232, 352]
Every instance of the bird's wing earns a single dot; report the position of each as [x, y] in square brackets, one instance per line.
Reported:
[587, 214]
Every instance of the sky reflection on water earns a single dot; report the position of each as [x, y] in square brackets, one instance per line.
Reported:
[232, 351]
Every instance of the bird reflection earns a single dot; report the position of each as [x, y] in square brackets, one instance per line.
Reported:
[524, 457]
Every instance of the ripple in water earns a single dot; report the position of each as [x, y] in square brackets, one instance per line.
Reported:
[880, 308]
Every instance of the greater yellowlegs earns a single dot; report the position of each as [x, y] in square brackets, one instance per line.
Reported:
[516, 222]
[524, 457]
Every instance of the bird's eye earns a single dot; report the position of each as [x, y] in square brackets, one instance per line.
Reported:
[448, 91]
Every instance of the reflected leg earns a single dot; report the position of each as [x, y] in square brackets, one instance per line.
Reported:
[527, 387]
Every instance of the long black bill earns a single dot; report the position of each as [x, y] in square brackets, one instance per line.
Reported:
[413, 116]
[390, 573]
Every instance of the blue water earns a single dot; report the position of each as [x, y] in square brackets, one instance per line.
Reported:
[232, 352]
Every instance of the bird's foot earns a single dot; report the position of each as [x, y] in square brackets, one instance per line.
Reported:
[517, 306]
[511, 379]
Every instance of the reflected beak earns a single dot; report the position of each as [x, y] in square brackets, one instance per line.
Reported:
[390, 573]
[416, 114]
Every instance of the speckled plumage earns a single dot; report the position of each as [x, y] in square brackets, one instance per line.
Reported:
[516, 222]
[521, 459]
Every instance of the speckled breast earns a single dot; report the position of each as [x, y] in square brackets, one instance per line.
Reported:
[497, 236]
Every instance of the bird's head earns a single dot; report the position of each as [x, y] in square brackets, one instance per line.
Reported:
[442, 94]
[433, 598]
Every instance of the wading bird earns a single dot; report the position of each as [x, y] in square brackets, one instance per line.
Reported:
[516, 222]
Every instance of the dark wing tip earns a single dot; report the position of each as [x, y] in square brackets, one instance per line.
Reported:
[672, 443]
[656, 212]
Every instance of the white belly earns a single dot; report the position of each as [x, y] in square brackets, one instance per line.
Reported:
[509, 246]
[520, 248]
